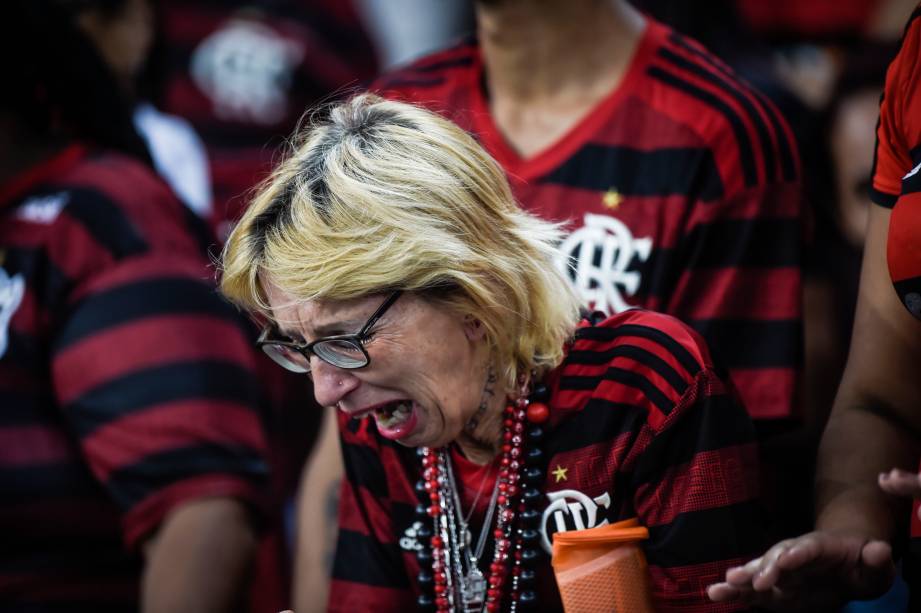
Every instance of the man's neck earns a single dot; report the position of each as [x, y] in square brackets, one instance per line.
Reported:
[548, 62]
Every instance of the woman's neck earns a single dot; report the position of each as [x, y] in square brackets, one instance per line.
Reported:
[481, 438]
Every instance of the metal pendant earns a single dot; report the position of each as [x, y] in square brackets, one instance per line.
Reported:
[474, 588]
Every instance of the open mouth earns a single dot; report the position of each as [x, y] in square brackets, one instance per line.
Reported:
[391, 415]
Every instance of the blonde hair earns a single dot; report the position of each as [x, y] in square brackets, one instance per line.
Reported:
[382, 195]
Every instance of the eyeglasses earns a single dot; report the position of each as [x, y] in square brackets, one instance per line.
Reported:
[342, 350]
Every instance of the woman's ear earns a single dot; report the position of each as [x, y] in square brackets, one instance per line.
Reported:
[474, 328]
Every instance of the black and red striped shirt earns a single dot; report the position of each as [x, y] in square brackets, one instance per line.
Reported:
[126, 383]
[681, 193]
[243, 72]
[642, 425]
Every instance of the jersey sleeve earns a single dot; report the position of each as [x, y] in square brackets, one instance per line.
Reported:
[682, 448]
[898, 134]
[368, 565]
[155, 376]
[152, 370]
[695, 484]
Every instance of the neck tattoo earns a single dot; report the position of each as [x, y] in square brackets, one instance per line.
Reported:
[488, 393]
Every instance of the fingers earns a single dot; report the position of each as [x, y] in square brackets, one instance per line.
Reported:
[901, 483]
[726, 592]
[796, 570]
[877, 554]
[805, 550]
[878, 569]
[758, 578]
[723, 592]
[743, 581]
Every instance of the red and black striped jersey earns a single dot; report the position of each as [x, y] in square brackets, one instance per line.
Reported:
[898, 134]
[681, 194]
[897, 169]
[126, 383]
[642, 425]
[243, 73]
[897, 162]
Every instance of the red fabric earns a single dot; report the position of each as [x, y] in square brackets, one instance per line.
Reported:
[474, 483]
[690, 487]
[809, 19]
[898, 134]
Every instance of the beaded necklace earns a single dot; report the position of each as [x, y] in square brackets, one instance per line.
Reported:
[449, 577]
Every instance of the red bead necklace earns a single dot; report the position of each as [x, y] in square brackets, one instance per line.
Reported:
[450, 591]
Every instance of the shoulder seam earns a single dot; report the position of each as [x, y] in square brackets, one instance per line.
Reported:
[749, 98]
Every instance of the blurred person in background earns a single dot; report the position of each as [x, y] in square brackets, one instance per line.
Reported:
[243, 71]
[584, 104]
[129, 36]
[132, 463]
[404, 30]
[125, 32]
[868, 458]
[678, 184]
[823, 64]
[841, 207]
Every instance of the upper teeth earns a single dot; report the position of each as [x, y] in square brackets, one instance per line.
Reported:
[399, 413]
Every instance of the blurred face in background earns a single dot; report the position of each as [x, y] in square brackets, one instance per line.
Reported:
[853, 138]
[122, 36]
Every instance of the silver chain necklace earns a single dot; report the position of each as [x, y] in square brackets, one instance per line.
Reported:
[470, 586]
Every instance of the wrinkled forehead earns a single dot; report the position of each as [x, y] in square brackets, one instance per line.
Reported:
[310, 318]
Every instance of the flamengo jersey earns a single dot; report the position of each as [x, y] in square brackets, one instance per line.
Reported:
[243, 72]
[641, 426]
[897, 165]
[680, 190]
[126, 384]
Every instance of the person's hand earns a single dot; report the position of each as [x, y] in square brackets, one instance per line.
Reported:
[901, 483]
[812, 572]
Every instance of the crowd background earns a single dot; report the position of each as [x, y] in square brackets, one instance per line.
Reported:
[215, 87]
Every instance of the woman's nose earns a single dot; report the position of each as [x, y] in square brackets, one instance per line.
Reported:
[330, 383]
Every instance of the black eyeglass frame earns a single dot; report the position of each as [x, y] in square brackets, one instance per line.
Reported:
[357, 339]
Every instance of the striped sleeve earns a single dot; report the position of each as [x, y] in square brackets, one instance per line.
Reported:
[154, 375]
[739, 255]
[366, 531]
[695, 484]
[683, 447]
[898, 133]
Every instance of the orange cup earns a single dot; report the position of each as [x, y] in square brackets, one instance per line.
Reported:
[603, 570]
